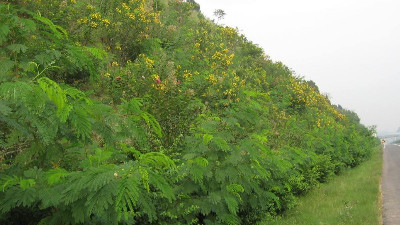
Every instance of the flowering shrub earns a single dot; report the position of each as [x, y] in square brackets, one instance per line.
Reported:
[181, 122]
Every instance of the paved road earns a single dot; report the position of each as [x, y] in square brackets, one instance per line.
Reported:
[391, 185]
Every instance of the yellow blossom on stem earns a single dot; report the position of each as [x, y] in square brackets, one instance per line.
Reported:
[93, 24]
[95, 16]
[125, 6]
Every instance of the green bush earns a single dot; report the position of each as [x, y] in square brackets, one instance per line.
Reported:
[146, 112]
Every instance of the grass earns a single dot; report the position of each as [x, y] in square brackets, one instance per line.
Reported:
[354, 197]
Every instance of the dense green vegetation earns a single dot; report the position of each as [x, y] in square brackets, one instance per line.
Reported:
[352, 198]
[145, 112]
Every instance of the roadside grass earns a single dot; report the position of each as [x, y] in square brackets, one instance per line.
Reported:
[353, 197]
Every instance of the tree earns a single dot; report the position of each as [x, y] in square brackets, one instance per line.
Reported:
[220, 14]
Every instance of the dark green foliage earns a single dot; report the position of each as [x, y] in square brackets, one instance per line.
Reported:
[145, 112]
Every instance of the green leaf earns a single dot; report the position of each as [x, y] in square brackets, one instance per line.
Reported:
[6, 65]
[221, 143]
[235, 188]
[54, 176]
[151, 121]
[157, 160]
[145, 178]
[58, 31]
[28, 25]
[53, 91]
[17, 48]
[9, 181]
[207, 138]
[98, 53]
[26, 183]
[4, 109]
[199, 161]
[100, 156]
[232, 204]
[4, 30]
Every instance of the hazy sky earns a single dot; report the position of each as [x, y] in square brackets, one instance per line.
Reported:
[350, 48]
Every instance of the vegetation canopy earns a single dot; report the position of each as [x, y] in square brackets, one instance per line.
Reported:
[146, 112]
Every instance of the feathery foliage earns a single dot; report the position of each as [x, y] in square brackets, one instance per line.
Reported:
[146, 112]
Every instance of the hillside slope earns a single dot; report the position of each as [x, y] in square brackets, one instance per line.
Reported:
[146, 112]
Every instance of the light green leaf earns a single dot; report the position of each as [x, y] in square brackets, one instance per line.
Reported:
[54, 176]
[26, 183]
[9, 181]
[207, 138]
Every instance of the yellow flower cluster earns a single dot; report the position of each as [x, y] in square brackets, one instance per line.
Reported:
[319, 123]
[95, 19]
[95, 16]
[125, 6]
[187, 74]
[93, 24]
[106, 22]
[90, 7]
[159, 86]
[229, 92]
[149, 62]
[304, 94]
[223, 58]
[211, 78]
[82, 21]
[228, 31]
[136, 10]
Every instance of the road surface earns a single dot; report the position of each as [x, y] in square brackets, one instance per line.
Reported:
[391, 185]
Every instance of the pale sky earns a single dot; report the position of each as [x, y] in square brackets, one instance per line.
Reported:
[349, 48]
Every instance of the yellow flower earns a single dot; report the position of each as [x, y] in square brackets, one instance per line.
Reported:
[131, 16]
[114, 64]
[73, 1]
[89, 7]
[149, 62]
[82, 21]
[93, 24]
[95, 16]
[211, 78]
[106, 22]
[125, 6]
[187, 74]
